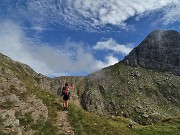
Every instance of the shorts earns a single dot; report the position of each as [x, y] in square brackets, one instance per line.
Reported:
[66, 97]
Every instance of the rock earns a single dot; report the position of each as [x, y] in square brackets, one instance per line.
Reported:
[137, 82]
[145, 115]
[160, 50]
[9, 118]
[13, 98]
[139, 106]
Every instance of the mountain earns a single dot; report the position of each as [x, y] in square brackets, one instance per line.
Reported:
[29, 102]
[29, 105]
[145, 86]
[116, 100]
[160, 50]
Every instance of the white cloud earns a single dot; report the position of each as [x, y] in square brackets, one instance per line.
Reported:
[111, 44]
[47, 59]
[38, 28]
[110, 60]
[171, 14]
[113, 12]
[88, 14]
[15, 45]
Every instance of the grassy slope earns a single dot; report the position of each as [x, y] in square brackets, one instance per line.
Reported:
[86, 123]
[169, 126]
[42, 127]
[127, 88]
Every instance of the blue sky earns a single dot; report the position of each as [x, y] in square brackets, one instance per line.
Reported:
[78, 37]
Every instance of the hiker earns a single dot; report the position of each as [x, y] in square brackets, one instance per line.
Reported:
[66, 94]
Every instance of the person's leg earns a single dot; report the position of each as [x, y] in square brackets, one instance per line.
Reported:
[65, 101]
[64, 105]
[67, 105]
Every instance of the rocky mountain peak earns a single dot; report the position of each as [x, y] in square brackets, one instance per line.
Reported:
[159, 50]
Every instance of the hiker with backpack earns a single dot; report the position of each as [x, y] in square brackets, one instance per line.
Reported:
[66, 94]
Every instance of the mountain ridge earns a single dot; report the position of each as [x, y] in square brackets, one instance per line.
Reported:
[141, 86]
[160, 50]
[122, 93]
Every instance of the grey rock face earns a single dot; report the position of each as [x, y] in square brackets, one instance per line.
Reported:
[15, 101]
[160, 50]
[141, 94]
[126, 89]
[55, 85]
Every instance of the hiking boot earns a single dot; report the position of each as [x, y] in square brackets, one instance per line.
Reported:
[64, 109]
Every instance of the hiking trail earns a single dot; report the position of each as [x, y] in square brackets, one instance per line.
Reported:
[62, 122]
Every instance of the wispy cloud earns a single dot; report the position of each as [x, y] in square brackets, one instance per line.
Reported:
[109, 60]
[171, 14]
[88, 14]
[111, 44]
[67, 59]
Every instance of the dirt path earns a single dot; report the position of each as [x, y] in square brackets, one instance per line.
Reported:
[62, 122]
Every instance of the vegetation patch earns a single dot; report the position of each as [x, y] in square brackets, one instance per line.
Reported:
[169, 126]
[26, 121]
[85, 123]
[7, 104]
[44, 128]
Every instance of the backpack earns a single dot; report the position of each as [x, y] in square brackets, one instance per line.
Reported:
[66, 90]
[59, 91]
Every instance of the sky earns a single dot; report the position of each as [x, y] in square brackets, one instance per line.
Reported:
[78, 37]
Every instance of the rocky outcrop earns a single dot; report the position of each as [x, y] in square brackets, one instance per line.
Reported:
[136, 87]
[16, 103]
[55, 85]
[146, 96]
[24, 108]
[131, 88]
[160, 50]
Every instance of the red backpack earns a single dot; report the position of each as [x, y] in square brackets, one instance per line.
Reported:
[66, 90]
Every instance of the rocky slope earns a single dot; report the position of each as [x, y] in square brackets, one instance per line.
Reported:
[159, 50]
[27, 100]
[16, 103]
[138, 87]
[54, 85]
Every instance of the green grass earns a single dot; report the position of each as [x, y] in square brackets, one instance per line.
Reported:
[85, 123]
[53, 104]
[1, 133]
[7, 105]
[26, 120]
[41, 126]
[51, 101]
[170, 127]
[1, 128]
[44, 128]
